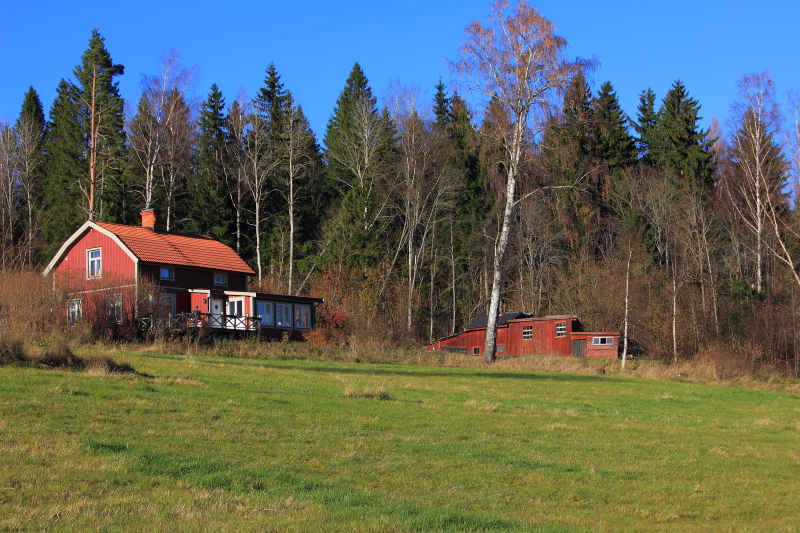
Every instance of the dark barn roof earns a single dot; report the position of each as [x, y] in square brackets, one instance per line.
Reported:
[502, 320]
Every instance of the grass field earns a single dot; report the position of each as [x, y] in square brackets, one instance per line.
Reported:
[220, 444]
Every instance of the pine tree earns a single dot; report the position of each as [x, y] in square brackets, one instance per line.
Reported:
[63, 203]
[102, 121]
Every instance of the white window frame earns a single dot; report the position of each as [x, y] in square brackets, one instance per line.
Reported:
[561, 329]
[114, 308]
[94, 265]
[74, 310]
[603, 341]
[527, 333]
[299, 310]
[476, 351]
[269, 318]
[283, 315]
[223, 279]
[170, 270]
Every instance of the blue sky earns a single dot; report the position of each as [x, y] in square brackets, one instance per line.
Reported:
[639, 44]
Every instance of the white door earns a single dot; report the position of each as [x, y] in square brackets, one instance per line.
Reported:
[215, 309]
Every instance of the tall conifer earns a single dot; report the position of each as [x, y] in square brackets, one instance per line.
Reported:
[63, 169]
[209, 209]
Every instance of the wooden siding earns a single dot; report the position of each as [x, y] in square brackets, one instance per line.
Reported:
[543, 341]
[190, 278]
[117, 267]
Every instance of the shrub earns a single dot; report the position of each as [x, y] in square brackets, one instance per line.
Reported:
[12, 353]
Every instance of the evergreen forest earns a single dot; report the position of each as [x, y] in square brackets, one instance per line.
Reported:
[684, 238]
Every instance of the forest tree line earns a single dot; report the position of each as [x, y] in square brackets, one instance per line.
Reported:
[684, 237]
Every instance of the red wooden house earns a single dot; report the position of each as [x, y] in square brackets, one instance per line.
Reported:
[522, 334]
[200, 281]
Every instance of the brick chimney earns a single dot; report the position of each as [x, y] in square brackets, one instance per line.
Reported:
[151, 219]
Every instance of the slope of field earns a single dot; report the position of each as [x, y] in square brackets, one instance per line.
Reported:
[219, 444]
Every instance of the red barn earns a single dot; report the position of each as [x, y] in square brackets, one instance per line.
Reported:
[200, 281]
[522, 334]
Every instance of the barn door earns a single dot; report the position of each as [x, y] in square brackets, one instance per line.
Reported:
[578, 347]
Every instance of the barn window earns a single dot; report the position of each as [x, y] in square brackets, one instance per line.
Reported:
[476, 351]
[501, 348]
[74, 311]
[93, 263]
[561, 329]
[527, 333]
[114, 308]
[603, 340]
[167, 273]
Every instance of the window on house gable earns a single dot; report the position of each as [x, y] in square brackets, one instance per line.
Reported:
[264, 310]
[527, 333]
[561, 329]
[220, 279]
[74, 311]
[603, 340]
[168, 273]
[93, 263]
[114, 308]
[283, 315]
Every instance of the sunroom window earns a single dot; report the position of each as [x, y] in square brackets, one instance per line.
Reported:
[283, 315]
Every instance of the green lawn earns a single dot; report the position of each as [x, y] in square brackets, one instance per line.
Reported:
[218, 444]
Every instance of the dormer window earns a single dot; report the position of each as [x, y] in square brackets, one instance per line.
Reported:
[168, 273]
[220, 279]
[93, 263]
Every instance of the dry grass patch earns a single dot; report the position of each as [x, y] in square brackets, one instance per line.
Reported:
[484, 406]
[373, 393]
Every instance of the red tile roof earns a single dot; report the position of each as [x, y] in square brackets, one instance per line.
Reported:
[197, 251]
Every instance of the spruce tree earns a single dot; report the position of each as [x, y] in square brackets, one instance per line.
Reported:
[441, 105]
[29, 128]
[684, 148]
[646, 127]
[358, 148]
[356, 88]
[209, 205]
[63, 169]
[32, 110]
[614, 145]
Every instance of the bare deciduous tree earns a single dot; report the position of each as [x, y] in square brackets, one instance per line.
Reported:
[517, 60]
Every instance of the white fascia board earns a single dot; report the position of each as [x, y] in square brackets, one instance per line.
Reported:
[239, 293]
[78, 234]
